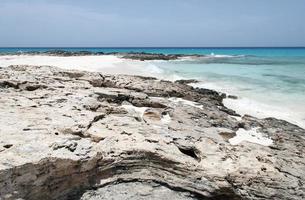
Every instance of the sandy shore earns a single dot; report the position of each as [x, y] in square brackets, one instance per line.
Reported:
[109, 64]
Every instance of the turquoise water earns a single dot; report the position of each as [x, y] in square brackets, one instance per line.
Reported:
[267, 80]
[268, 76]
[271, 85]
[277, 52]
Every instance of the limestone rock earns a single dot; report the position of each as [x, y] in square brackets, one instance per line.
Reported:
[83, 135]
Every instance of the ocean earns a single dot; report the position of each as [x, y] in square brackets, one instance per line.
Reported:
[269, 82]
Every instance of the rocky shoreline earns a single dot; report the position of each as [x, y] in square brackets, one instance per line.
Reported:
[85, 135]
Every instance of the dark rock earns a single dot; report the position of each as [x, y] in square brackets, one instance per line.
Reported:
[34, 87]
[7, 146]
[9, 84]
[149, 56]
[187, 81]
[232, 97]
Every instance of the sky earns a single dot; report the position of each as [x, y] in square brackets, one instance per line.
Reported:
[151, 23]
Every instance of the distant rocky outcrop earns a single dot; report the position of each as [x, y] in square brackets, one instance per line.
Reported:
[69, 53]
[82, 135]
[187, 81]
[150, 56]
[142, 56]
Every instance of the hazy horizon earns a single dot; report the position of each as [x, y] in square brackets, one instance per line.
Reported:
[167, 23]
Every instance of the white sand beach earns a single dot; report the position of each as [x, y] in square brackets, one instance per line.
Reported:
[108, 64]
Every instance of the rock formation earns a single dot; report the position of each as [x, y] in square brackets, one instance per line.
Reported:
[81, 135]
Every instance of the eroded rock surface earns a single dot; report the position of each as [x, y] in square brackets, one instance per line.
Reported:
[136, 190]
[81, 135]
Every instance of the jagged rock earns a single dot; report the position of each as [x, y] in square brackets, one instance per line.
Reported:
[93, 136]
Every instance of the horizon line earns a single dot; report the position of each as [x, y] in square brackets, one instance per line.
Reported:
[164, 47]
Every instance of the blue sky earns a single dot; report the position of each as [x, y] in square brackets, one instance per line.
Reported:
[118, 23]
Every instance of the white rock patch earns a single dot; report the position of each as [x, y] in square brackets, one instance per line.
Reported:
[166, 119]
[237, 118]
[250, 136]
[139, 110]
[186, 102]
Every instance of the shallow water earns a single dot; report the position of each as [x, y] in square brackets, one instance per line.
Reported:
[270, 86]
